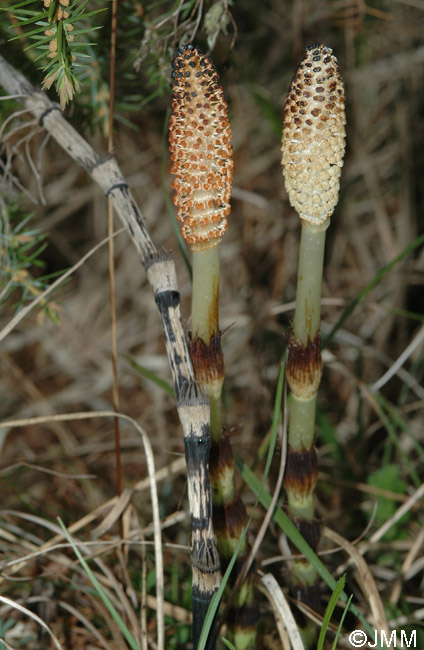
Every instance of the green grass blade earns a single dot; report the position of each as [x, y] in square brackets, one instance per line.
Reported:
[216, 599]
[339, 629]
[391, 430]
[97, 586]
[151, 376]
[396, 417]
[330, 609]
[373, 283]
[18, 5]
[282, 520]
[267, 108]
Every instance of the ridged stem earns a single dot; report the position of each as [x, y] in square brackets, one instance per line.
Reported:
[205, 325]
[304, 369]
[302, 422]
[229, 513]
[216, 418]
[230, 518]
[306, 322]
[205, 293]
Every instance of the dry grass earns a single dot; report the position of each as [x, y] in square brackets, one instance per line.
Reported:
[67, 469]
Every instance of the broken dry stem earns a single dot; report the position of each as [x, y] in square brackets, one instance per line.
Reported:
[160, 270]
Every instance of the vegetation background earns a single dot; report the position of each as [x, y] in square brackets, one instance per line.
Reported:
[58, 360]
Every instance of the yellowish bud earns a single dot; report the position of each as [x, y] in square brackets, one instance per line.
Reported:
[314, 135]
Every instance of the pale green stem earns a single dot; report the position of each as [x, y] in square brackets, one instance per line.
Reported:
[216, 416]
[205, 319]
[309, 278]
[204, 306]
[302, 422]
[205, 324]
[306, 326]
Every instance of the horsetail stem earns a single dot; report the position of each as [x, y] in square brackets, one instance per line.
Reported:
[201, 152]
[313, 148]
[205, 303]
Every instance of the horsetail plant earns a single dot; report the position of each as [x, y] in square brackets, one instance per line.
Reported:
[313, 148]
[201, 153]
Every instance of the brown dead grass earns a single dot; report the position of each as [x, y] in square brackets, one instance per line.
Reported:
[48, 369]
